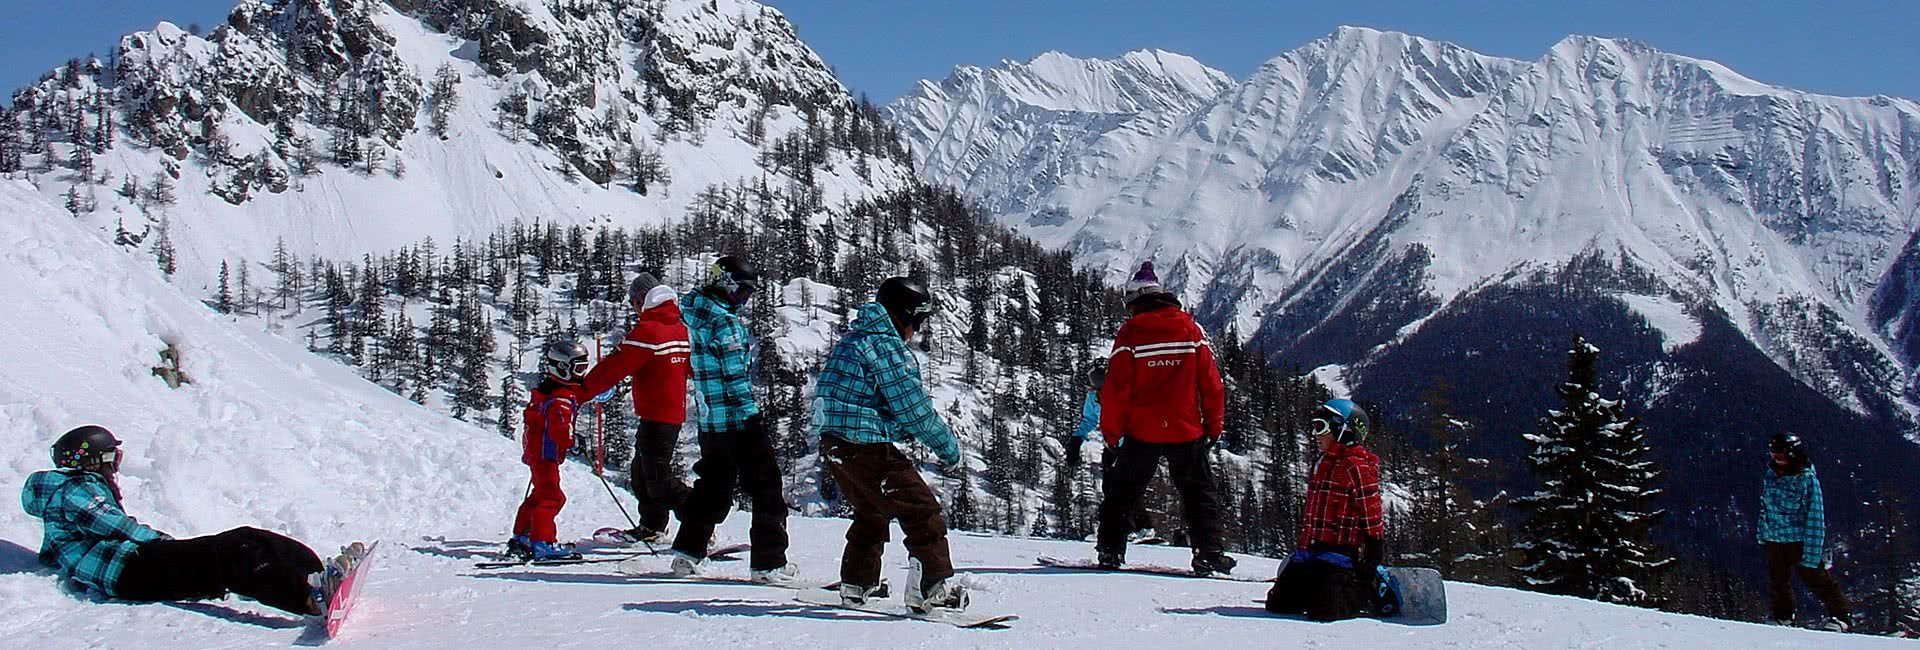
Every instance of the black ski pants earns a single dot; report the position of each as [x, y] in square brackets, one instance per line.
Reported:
[1324, 591]
[1192, 474]
[267, 567]
[655, 485]
[1783, 560]
[883, 486]
[742, 458]
[1140, 518]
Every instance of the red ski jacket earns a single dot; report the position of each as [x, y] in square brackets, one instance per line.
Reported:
[1162, 384]
[549, 422]
[655, 355]
[1343, 499]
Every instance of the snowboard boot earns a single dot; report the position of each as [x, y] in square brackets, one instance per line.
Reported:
[786, 576]
[1144, 536]
[1837, 624]
[543, 551]
[943, 594]
[324, 584]
[519, 548]
[644, 535]
[853, 595]
[1110, 560]
[1212, 562]
[686, 566]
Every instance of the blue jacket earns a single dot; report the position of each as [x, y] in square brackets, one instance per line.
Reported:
[86, 534]
[869, 390]
[1089, 415]
[721, 362]
[1791, 512]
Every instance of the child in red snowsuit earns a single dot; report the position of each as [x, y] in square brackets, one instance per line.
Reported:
[549, 434]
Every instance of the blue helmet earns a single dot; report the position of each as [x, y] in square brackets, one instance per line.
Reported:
[1345, 419]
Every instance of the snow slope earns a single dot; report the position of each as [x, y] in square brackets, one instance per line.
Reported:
[272, 436]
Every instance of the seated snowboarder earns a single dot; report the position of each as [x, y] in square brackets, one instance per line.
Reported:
[96, 545]
[549, 434]
[1334, 574]
[1793, 530]
[869, 397]
[1089, 423]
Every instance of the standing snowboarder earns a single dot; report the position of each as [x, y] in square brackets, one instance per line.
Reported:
[1162, 399]
[549, 434]
[94, 543]
[1793, 531]
[1334, 574]
[734, 444]
[655, 355]
[869, 397]
[1090, 422]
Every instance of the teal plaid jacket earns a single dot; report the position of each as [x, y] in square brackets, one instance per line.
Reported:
[86, 534]
[869, 390]
[720, 364]
[1791, 512]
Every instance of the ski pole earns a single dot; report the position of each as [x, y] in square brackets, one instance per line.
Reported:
[616, 500]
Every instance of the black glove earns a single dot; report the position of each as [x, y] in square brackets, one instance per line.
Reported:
[1073, 451]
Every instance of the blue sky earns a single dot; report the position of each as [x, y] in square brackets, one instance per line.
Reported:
[882, 47]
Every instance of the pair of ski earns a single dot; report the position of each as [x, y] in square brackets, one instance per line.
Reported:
[828, 595]
[727, 552]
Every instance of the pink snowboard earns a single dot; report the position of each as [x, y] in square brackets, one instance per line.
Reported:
[341, 604]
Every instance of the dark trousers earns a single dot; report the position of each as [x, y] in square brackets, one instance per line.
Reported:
[267, 567]
[1192, 475]
[1783, 560]
[655, 485]
[1322, 590]
[543, 503]
[729, 458]
[883, 486]
[1141, 520]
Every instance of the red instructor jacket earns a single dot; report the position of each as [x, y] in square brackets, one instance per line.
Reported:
[655, 355]
[1162, 384]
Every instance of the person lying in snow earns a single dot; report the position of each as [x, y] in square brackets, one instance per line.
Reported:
[97, 546]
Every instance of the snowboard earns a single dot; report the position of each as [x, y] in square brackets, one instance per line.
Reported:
[340, 605]
[1423, 595]
[961, 619]
[637, 569]
[1150, 569]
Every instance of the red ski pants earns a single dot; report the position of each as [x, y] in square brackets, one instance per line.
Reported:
[535, 519]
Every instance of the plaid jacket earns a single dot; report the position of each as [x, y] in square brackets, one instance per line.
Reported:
[1791, 512]
[722, 354]
[869, 390]
[86, 534]
[1343, 499]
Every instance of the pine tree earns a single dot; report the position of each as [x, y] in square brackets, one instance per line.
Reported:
[225, 301]
[442, 97]
[243, 296]
[509, 405]
[163, 250]
[1586, 534]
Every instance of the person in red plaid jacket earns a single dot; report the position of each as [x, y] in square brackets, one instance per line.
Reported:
[1334, 573]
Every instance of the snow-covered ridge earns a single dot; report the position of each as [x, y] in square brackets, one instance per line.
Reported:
[1285, 190]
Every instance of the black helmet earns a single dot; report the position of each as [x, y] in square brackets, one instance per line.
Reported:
[564, 360]
[734, 279]
[1097, 375]
[906, 301]
[91, 447]
[1789, 443]
[1345, 419]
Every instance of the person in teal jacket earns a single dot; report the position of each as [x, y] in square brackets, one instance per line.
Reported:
[869, 397]
[97, 546]
[1793, 531]
[1089, 423]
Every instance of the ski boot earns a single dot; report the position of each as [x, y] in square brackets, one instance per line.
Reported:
[786, 576]
[544, 551]
[922, 598]
[1212, 562]
[853, 595]
[519, 548]
[1110, 560]
[686, 566]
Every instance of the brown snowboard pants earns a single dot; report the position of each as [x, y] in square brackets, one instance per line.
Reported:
[883, 486]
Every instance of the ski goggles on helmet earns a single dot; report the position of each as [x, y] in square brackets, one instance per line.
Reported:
[919, 314]
[1321, 425]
